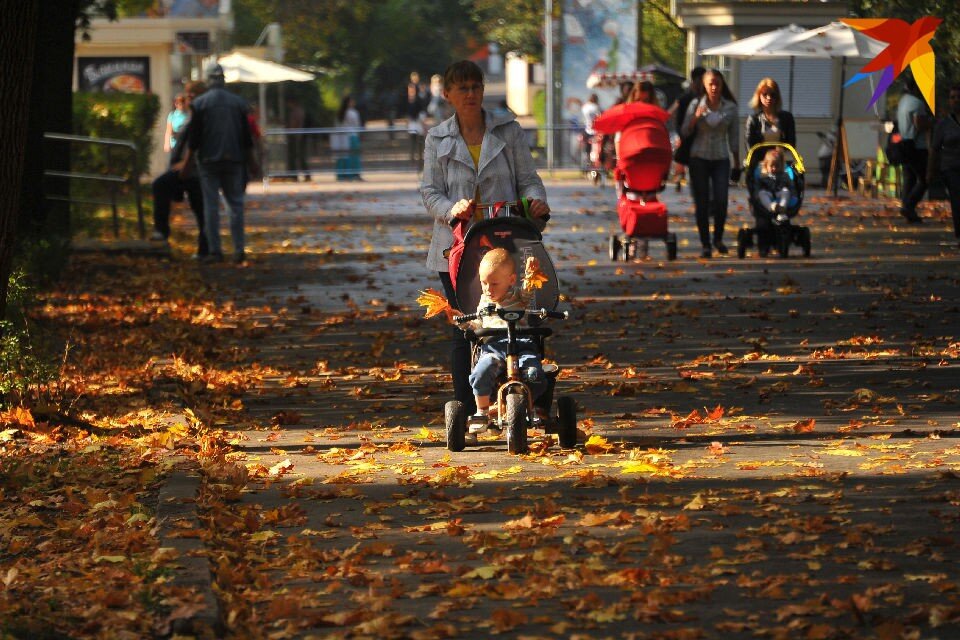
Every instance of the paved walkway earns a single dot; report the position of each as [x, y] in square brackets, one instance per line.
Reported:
[772, 445]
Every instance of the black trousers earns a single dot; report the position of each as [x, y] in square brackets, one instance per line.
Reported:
[914, 178]
[951, 179]
[169, 188]
[460, 363]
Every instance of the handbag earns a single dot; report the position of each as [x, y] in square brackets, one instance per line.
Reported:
[682, 153]
[894, 150]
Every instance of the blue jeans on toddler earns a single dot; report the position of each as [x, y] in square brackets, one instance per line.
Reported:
[493, 361]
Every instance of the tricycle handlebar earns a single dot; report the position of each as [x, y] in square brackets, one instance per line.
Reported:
[509, 315]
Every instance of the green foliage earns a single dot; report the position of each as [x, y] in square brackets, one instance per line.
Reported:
[516, 25]
[662, 40]
[371, 45]
[123, 116]
[22, 368]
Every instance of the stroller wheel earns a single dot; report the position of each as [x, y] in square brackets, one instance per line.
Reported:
[455, 418]
[783, 242]
[805, 241]
[671, 246]
[615, 247]
[567, 428]
[743, 240]
[516, 423]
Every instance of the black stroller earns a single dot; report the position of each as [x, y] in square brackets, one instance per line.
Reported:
[517, 410]
[774, 230]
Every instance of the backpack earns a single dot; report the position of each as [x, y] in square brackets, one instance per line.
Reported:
[894, 147]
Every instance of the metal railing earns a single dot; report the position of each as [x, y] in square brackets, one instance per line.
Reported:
[113, 176]
[386, 149]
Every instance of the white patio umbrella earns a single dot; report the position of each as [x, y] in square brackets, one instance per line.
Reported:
[835, 40]
[240, 67]
[756, 46]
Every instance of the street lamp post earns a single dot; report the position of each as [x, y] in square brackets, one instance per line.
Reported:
[548, 61]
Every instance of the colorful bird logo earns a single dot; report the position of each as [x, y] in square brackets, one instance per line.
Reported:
[908, 45]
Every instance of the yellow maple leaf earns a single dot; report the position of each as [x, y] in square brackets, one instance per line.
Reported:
[639, 466]
[597, 444]
[533, 276]
[435, 302]
[843, 452]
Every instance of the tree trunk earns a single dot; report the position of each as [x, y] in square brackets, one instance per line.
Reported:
[19, 21]
[50, 111]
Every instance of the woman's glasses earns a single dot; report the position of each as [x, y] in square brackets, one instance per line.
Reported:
[469, 88]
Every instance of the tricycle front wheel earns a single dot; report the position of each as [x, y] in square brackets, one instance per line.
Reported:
[516, 423]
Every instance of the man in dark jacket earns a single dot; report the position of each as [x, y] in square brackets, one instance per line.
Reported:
[170, 186]
[220, 139]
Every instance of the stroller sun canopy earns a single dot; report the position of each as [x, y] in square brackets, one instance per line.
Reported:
[521, 239]
[647, 141]
[618, 117]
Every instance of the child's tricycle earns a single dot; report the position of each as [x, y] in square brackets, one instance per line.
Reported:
[516, 409]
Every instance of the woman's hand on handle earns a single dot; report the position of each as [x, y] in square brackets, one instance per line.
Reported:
[539, 208]
[462, 210]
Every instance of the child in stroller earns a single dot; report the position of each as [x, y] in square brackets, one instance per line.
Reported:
[486, 271]
[774, 185]
[776, 188]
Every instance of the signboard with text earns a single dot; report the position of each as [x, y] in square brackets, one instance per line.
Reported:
[120, 74]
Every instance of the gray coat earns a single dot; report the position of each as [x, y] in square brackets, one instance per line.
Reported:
[506, 172]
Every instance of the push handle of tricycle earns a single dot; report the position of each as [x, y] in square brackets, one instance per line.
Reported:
[487, 210]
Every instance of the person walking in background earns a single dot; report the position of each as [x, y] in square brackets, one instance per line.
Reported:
[945, 157]
[713, 121]
[678, 112]
[454, 180]
[296, 142]
[220, 139]
[590, 111]
[255, 164]
[176, 120]
[625, 89]
[914, 121]
[438, 109]
[769, 122]
[348, 143]
[415, 109]
[170, 186]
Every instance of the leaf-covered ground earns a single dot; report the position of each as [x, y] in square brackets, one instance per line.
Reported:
[769, 446]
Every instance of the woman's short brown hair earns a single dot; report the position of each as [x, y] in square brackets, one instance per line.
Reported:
[463, 71]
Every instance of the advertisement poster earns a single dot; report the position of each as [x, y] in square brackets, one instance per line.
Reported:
[186, 8]
[596, 35]
[126, 75]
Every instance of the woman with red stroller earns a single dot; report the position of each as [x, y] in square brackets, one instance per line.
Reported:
[644, 155]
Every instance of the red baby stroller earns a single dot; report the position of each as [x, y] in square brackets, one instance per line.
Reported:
[643, 164]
